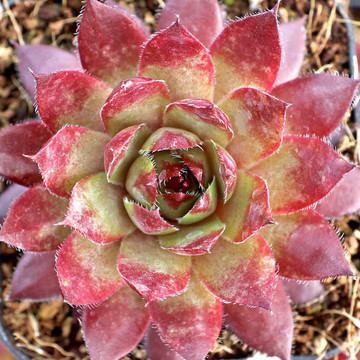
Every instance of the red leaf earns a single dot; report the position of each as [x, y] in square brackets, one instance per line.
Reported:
[154, 272]
[42, 284]
[258, 120]
[96, 210]
[248, 210]
[87, 272]
[344, 198]
[30, 224]
[302, 292]
[204, 19]
[239, 273]
[114, 328]
[265, 331]
[175, 56]
[134, 102]
[200, 117]
[109, 42]
[319, 103]
[43, 59]
[247, 53]
[156, 349]
[8, 196]
[190, 322]
[301, 173]
[294, 45]
[70, 98]
[15, 141]
[70, 155]
[306, 247]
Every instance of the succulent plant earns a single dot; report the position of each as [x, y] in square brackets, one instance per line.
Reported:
[179, 179]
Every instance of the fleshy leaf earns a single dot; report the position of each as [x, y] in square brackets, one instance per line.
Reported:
[70, 155]
[224, 168]
[204, 19]
[70, 98]
[203, 208]
[265, 331]
[319, 103]
[247, 53]
[175, 205]
[177, 57]
[167, 138]
[196, 239]
[294, 45]
[109, 42]
[115, 327]
[306, 247]
[167, 165]
[258, 121]
[96, 210]
[179, 318]
[30, 224]
[301, 173]
[42, 284]
[42, 59]
[247, 271]
[248, 210]
[133, 102]
[18, 140]
[200, 117]
[154, 272]
[87, 271]
[156, 349]
[303, 292]
[141, 181]
[148, 221]
[344, 198]
[122, 150]
[8, 196]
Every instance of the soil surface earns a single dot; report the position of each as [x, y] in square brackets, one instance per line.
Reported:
[51, 330]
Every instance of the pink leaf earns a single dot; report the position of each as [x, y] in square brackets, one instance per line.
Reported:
[204, 19]
[190, 322]
[303, 292]
[122, 150]
[247, 53]
[301, 173]
[154, 272]
[114, 328]
[306, 247]
[319, 103]
[175, 56]
[200, 117]
[239, 273]
[42, 284]
[133, 102]
[248, 210]
[156, 349]
[15, 141]
[70, 155]
[87, 271]
[258, 120]
[70, 98]
[30, 224]
[96, 210]
[8, 196]
[43, 59]
[265, 331]
[344, 198]
[109, 42]
[294, 45]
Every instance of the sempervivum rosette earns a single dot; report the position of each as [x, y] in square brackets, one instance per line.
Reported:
[172, 182]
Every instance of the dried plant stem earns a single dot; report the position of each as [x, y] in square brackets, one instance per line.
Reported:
[14, 23]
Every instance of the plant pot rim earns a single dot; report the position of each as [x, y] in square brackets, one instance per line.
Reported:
[6, 335]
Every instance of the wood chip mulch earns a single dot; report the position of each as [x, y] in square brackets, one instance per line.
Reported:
[51, 330]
